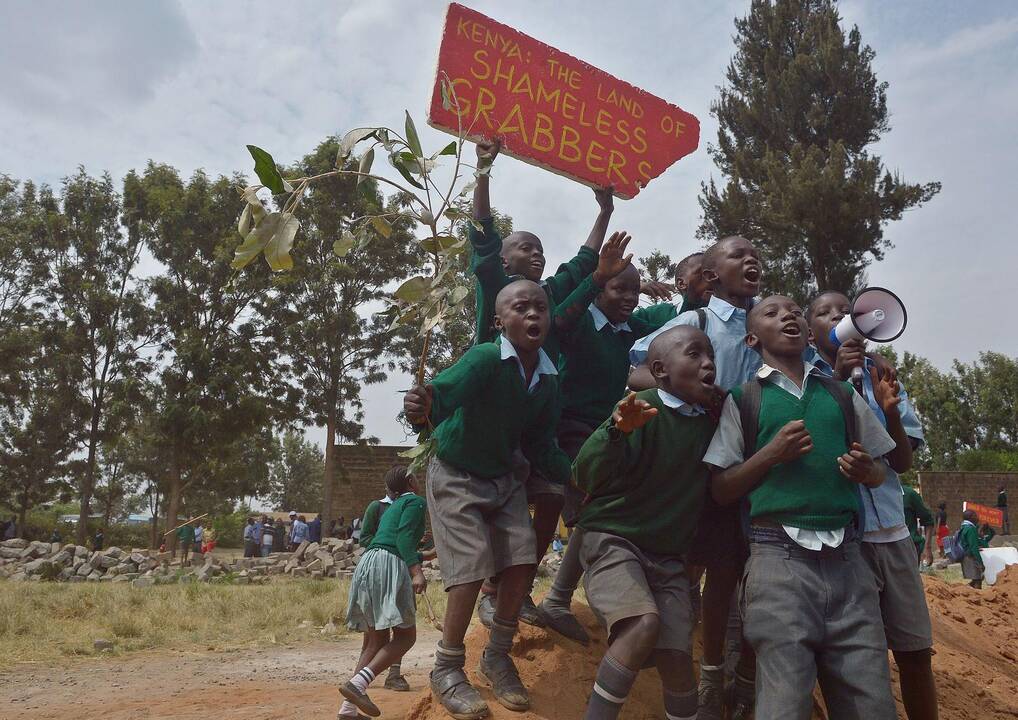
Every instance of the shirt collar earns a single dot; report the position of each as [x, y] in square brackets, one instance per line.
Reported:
[724, 309]
[544, 364]
[766, 371]
[600, 320]
[386, 500]
[678, 404]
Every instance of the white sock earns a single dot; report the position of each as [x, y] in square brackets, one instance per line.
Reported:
[362, 679]
[348, 708]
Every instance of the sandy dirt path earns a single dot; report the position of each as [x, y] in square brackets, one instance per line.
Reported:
[255, 684]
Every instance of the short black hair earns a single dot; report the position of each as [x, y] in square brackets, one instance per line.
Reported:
[397, 480]
[816, 299]
[683, 264]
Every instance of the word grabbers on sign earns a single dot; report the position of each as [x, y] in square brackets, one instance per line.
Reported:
[553, 110]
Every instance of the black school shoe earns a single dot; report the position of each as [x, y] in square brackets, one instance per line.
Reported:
[530, 614]
[397, 683]
[359, 699]
[486, 609]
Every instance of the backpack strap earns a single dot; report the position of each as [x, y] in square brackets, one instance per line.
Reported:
[844, 396]
[748, 402]
[702, 315]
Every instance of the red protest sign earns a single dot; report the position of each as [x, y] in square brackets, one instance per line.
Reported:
[553, 110]
[985, 514]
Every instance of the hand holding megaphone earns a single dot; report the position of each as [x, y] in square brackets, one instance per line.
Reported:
[878, 315]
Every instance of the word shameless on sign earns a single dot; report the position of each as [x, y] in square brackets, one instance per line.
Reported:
[553, 110]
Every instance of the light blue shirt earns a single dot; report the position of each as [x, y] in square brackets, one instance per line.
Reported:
[726, 327]
[883, 508]
[600, 320]
[679, 405]
[544, 364]
[299, 532]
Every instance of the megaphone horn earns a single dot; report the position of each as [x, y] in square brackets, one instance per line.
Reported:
[877, 314]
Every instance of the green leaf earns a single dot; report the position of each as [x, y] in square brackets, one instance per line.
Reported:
[265, 169]
[413, 290]
[383, 137]
[277, 250]
[411, 136]
[443, 242]
[255, 241]
[424, 447]
[382, 226]
[396, 162]
[449, 149]
[365, 164]
[414, 164]
[344, 244]
[458, 294]
[244, 224]
[353, 137]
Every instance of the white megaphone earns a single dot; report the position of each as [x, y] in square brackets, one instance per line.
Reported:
[877, 314]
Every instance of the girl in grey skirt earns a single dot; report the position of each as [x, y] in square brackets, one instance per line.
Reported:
[382, 592]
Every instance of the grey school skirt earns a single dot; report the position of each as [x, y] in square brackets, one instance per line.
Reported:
[381, 593]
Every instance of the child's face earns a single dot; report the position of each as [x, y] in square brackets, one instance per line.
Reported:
[777, 328]
[691, 282]
[523, 254]
[522, 315]
[620, 296]
[737, 269]
[687, 369]
[828, 310]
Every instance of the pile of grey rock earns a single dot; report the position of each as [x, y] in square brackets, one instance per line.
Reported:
[21, 560]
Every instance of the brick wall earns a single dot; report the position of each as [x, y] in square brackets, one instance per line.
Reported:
[360, 470]
[954, 488]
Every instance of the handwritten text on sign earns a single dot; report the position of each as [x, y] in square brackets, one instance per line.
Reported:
[985, 514]
[553, 110]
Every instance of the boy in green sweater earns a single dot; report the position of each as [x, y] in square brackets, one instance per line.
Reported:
[498, 397]
[810, 603]
[597, 325]
[972, 541]
[642, 471]
[918, 514]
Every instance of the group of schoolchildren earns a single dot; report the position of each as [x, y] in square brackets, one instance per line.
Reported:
[714, 438]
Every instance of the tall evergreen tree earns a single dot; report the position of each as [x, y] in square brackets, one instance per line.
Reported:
[800, 107]
[296, 475]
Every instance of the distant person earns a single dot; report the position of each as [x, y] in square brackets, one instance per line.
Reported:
[55, 536]
[298, 532]
[10, 529]
[289, 531]
[341, 528]
[315, 529]
[280, 536]
[267, 537]
[916, 515]
[199, 538]
[334, 529]
[355, 529]
[185, 539]
[208, 543]
[249, 538]
[1002, 506]
[258, 527]
[942, 529]
[97, 540]
[972, 541]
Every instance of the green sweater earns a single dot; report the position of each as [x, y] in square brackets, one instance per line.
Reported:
[810, 492]
[647, 486]
[482, 412]
[916, 513]
[486, 264]
[594, 367]
[972, 541]
[369, 523]
[401, 528]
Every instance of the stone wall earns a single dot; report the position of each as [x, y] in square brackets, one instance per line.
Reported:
[957, 487]
[360, 470]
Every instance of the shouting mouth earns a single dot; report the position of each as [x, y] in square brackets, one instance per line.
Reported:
[708, 379]
[752, 275]
[534, 332]
[791, 329]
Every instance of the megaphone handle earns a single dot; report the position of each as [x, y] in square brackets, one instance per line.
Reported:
[857, 379]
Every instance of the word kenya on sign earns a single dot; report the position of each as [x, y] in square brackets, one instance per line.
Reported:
[553, 110]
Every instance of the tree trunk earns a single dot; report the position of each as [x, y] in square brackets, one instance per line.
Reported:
[154, 539]
[173, 504]
[330, 469]
[88, 481]
[22, 514]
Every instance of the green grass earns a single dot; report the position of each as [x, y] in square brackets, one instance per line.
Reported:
[43, 622]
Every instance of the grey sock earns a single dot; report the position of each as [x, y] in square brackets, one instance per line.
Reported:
[712, 675]
[500, 639]
[567, 578]
[611, 688]
[680, 706]
[449, 658]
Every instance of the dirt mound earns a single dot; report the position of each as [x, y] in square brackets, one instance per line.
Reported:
[976, 662]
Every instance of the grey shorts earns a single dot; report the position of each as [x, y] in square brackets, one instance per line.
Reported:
[532, 480]
[571, 436]
[622, 581]
[812, 616]
[970, 569]
[902, 601]
[481, 526]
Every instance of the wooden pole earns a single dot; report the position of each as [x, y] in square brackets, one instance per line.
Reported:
[185, 523]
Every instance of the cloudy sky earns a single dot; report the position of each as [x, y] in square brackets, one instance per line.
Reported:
[109, 85]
